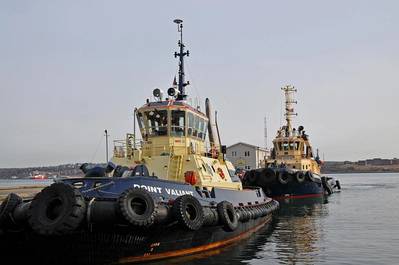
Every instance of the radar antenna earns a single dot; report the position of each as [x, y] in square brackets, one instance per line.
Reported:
[289, 106]
[182, 84]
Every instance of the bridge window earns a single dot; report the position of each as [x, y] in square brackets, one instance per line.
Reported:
[190, 128]
[291, 146]
[178, 122]
[285, 146]
[157, 122]
[200, 127]
[196, 126]
[140, 120]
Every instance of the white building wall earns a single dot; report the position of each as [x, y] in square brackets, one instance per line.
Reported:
[245, 156]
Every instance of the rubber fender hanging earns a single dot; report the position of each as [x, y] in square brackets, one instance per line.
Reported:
[211, 217]
[56, 210]
[257, 212]
[251, 213]
[163, 214]
[227, 215]
[188, 212]
[266, 176]
[244, 217]
[309, 176]
[7, 208]
[20, 213]
[284, 177]
[137, 207]
[251, 178]
[337, 184]
[119, 171]
[264, 210]
[95, 172]
[299, 176]
[327, 187]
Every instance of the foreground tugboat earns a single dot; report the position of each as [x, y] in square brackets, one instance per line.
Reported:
[292, 170]
[169, 196]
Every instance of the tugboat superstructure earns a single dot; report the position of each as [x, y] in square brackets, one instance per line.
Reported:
[167, 195]
[173, 144]
[292, 170]
[292, 147]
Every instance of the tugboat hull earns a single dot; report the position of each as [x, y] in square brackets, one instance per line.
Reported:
[123, 246]
[306, 189]
[104, 235]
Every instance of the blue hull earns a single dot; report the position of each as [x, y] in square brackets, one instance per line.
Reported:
[295, 190]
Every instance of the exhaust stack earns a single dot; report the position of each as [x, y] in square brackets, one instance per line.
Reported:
[212, 130]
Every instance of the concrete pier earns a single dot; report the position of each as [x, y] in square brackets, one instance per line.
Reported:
[26, 192]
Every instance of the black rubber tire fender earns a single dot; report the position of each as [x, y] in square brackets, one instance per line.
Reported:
[137, 207]
[299, 176]
[227, 215]
[57, 210]
[284, 177]
[309, 176]
[7, 208]
[251, 178]
[245, 215]
[188, 212]
[327, 187]
[251, 213]
[338, 184]
[268, 176]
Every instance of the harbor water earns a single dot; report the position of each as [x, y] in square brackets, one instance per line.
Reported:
[356, 226]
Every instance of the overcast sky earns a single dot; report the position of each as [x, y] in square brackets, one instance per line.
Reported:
[70, 69]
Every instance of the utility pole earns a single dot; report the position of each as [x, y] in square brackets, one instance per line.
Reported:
[134, 128]
[265, 131]
[106, 145]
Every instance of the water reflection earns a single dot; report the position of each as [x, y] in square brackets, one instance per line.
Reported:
[298, 231]
[291, 238]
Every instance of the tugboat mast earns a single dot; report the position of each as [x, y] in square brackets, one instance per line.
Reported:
[182, 84]
[289, 107]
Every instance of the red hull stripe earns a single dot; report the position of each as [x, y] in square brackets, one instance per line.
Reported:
[198, 249]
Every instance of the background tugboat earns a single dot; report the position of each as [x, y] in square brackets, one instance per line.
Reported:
[292, 170]
[168, 196]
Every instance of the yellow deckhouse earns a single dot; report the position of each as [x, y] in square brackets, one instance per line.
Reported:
[173, 144]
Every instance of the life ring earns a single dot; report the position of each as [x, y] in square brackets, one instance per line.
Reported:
[137, 207]
[221, 173]
[188, 212]
[283, 177]
[299, 176]
[7, 208]
[56, 210]
[227, 215]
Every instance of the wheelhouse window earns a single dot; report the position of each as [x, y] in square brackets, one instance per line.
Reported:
[196, 126]
[190, 122]
[140, 121]
[178, 121]
[157, 122]
[292, 146]
[285, 146]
